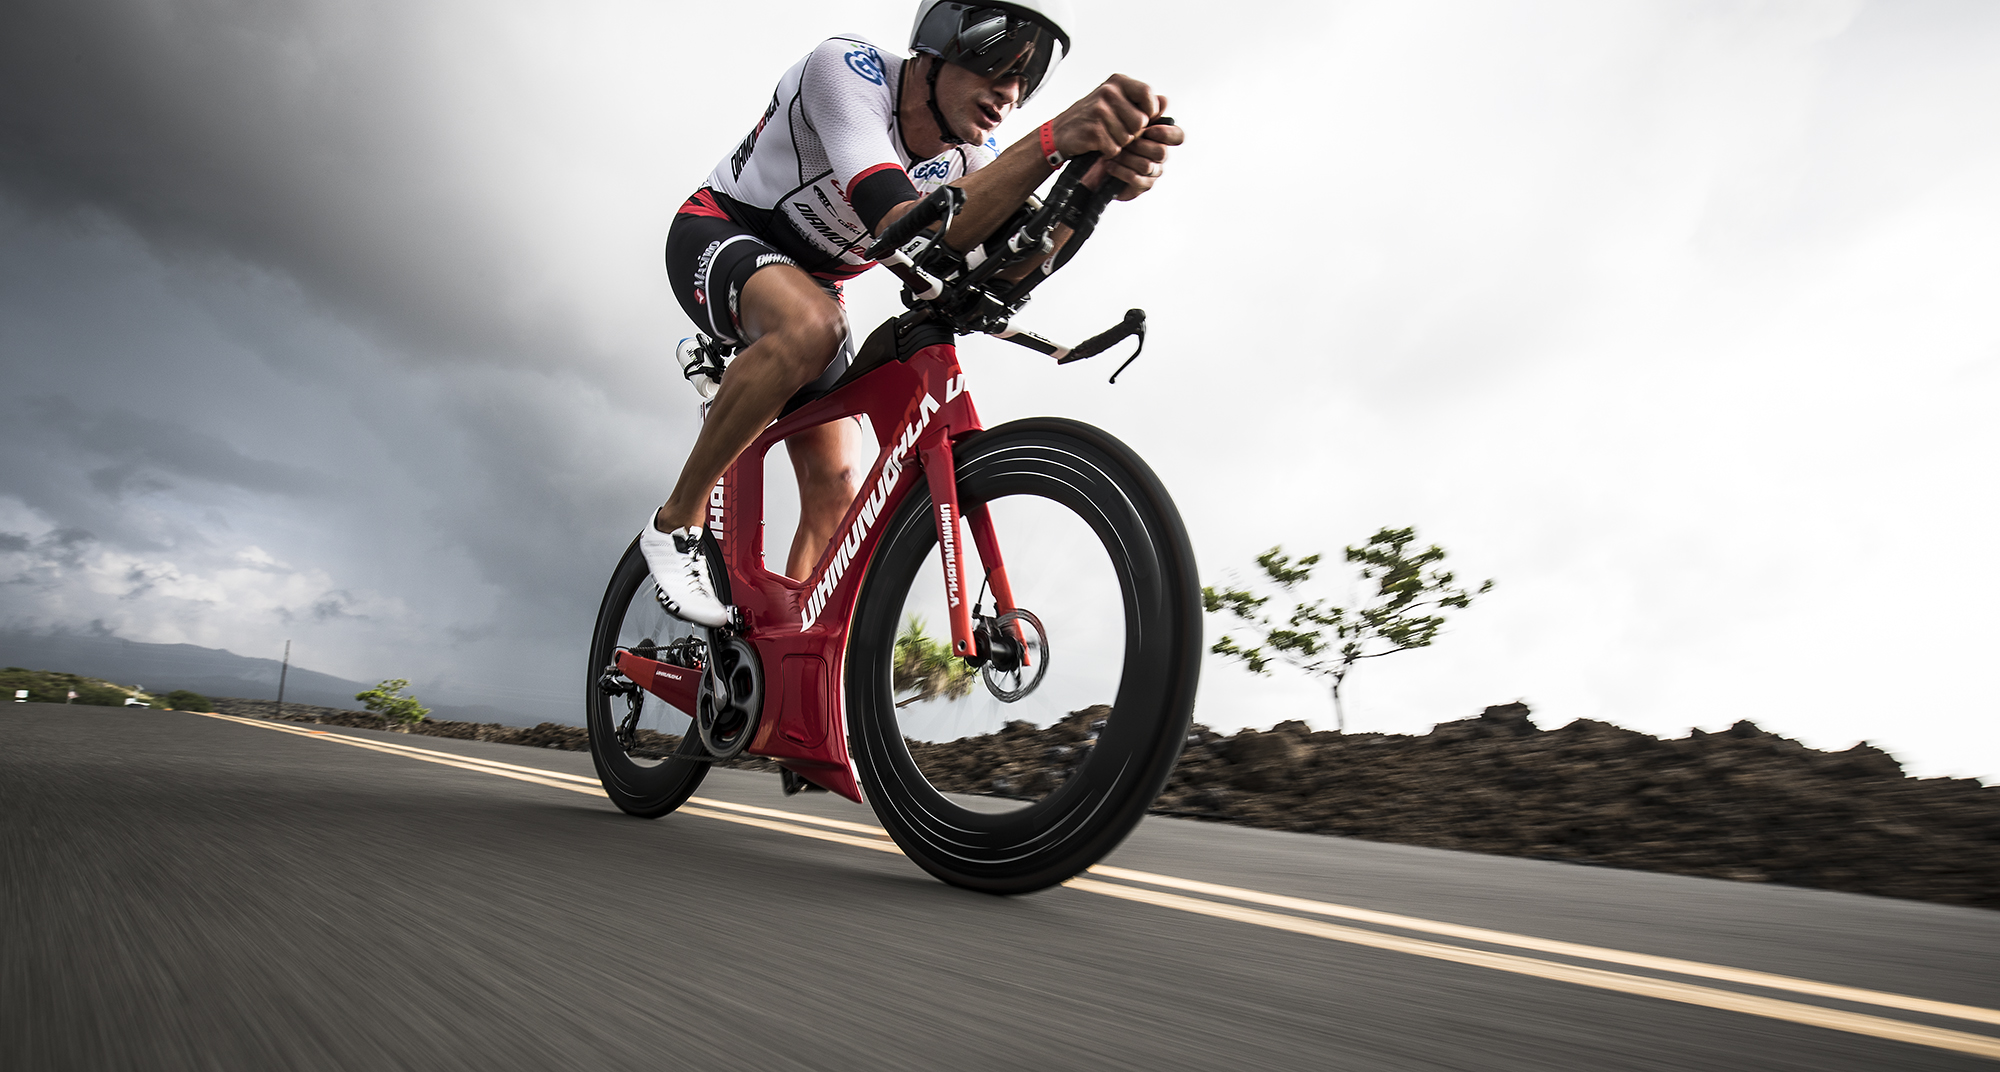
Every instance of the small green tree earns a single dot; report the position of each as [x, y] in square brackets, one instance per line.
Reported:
[1403, 612]
[399, 711]
[183, 700]
[927, 666]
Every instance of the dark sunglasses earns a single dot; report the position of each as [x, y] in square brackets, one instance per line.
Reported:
[991, 42]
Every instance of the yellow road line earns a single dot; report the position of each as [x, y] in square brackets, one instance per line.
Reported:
[862, 835]
[519, 774]
[410, 750]
[773, 813]
[878, 844]
[1685, 993]
[587, 785]
[1697, 969]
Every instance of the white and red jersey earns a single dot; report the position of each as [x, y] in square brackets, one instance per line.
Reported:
[828, 159]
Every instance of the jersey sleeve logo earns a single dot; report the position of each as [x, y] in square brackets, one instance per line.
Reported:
[938, 170]
[867, 63]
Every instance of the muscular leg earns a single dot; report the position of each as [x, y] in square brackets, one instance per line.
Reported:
[793, 329]
[829, 461]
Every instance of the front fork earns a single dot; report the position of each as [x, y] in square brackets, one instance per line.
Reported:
[941, 474]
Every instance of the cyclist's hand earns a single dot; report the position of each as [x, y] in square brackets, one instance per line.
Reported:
[1141, 163]
[1108, 119]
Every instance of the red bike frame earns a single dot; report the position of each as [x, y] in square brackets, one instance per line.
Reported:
[918, 408]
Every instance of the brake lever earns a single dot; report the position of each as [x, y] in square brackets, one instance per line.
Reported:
[1134, 324]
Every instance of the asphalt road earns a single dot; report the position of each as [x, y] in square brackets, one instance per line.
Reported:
[182, 891]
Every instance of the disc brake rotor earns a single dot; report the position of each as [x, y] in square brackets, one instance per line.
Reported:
[1020, 655]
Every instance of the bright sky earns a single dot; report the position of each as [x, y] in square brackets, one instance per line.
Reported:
[346, 323]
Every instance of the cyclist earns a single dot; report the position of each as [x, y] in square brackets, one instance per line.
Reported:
[757, 255]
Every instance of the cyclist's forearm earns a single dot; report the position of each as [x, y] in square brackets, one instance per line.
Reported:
[991, 195]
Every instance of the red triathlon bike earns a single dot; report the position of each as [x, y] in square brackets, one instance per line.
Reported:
[1086, 630]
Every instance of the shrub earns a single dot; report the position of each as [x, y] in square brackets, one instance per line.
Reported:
[48, 686]
[927, 667]
[183, 700]
[397, 710]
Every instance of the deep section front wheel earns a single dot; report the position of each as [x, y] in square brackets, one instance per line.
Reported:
[1018, 774]
[647, 756]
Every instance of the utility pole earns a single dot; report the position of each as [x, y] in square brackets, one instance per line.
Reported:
[284, 668]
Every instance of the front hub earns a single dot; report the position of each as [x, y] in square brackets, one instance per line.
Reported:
[1017, 654]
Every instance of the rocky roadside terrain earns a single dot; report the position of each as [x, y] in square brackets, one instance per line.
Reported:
[1740, 804]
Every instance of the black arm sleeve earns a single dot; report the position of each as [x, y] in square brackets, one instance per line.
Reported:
[879, 192]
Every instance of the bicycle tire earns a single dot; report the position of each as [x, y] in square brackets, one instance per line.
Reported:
[641, 781]
[1089, 473]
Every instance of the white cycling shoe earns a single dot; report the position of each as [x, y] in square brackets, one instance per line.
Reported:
[681, 571]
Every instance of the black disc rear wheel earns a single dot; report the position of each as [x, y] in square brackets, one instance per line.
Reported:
[648, 757]
[1015, 779]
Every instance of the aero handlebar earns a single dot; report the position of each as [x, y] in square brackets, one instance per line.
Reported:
[967, 292]
[944, 203]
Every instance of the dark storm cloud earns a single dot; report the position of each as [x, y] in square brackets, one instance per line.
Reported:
[257, 290]
[53, 553]
[140, 452]
[189, 411]
[334, 604]
[292, 136]
[86, 462]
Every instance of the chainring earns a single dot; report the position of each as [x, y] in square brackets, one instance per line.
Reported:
[732, 697]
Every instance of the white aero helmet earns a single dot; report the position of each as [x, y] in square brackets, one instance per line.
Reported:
[1026, 37]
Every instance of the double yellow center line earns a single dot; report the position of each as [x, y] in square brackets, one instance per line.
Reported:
[1298, 915]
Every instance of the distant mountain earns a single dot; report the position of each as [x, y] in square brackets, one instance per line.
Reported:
[209, 671]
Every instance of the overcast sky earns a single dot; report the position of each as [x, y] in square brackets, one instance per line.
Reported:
[345, 322]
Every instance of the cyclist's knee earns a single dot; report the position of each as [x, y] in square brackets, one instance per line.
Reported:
[832, 484]
[798, 324]
[812, 337]
[830, 461]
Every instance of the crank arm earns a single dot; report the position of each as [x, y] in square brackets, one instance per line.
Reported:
[678, 686]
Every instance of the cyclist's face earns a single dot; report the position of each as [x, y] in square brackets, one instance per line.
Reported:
[975, 105]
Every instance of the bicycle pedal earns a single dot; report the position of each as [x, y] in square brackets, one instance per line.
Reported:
[795, 785]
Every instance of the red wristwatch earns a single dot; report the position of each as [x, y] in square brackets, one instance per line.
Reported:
[1049, 153]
